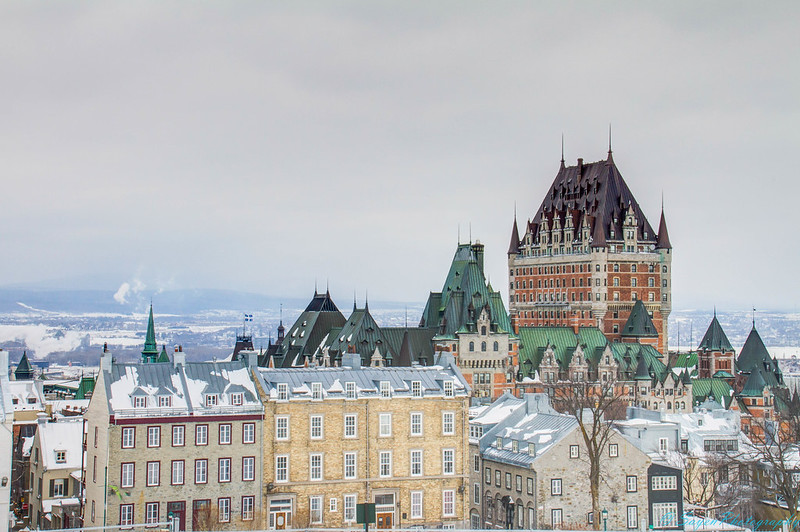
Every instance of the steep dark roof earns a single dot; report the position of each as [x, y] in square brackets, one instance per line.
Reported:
[24, 371]
[150, 351]
[663, 236]
[639, 324]
[163, 356]
[753, 352]
[513, 247]
[321, 303]
[642, 371]
[715, 338]
[413, 344]
[307, 333]
[596, 190]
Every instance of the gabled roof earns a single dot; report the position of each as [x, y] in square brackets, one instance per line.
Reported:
[639, 324]
[715, 338]
[65, 436]
[24, 369]
[163, 356]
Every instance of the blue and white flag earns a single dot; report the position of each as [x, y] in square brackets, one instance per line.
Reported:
[248, 317]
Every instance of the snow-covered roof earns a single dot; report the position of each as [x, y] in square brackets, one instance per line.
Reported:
[65, 436]
[26, 395]
[702, 425]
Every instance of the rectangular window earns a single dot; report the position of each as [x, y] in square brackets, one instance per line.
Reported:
[416, 505]
[127, 475]
[518, 483]
[350, 430]
[153, 473]
[529, 485]
[281, 428]
[248, 508]
[224, 509]
[416, 463]
[663, 445]
[386, 389]
[556, 517]
[633, 517]
[201, 471]
[416, 389]
[508, 481]
[128, 437]
[177, 472]
[385, 463]
[333, 504]
[154, 436]
[350, 390]
[224, 472]
[350, 465]
[350, 508]
[151, 513]
[248, 433]
[476, 463]
[201, 435]
[448, 389]
[178, 432]
[385, 424]
[476, 493]
[448, 503]
[555, 486]
[613, 450]
[315, 508]
[248, 468]
[125, 514]
[574, 451]
[632, 484]
[487, 475]
[497, 478]
[416, 423]
[57, 487]
[664, 482]
[282, 468]
[316, 391]
[448, 423]
[316, 427]
[212, 399]
[165, 401]
[665, 514]
[283, 391]
[225, 434]
[139, 402]
[237, 399]
[315, 467]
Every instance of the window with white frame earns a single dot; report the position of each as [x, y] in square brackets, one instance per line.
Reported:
[154, 436]
[224, 470]
[385, 424]
[316, 427]
[212, 400]
[633, 517]
[282, 468]
[416, 389]
[125, 514]
[58, 487]
[350, 390]
[248, 433]
[448, 503]
[126, 476]
[248, 468]
[476, 493]
[350, 427]
[151, 513]
[416, 462]
[177, 472]
[665, 514]
[201, 471]
[416, 423]
[281, 428]
[529, 485]
[165, 401]
[574, 451]
[224, 509]
[448, 389]
[476, 463]
[349, 507]
[315, 466]
[248, 507]
[448, 461]
[386, 389]
[153, 473]
[448, 423]
[139, 401]
[556, 517]
[613, 450]
[664, 482]
[518, 483]
[315, 508]
[237, 399]
[283, 391]
[350, 465]
[663, 445]
[555, 486]
[316, 391]
[487, 475]
[128, 437]
[201, 435]
[178, 435]
[333, 504]
[632, 484]
[416, 505]
[225, 433]
[385, 463]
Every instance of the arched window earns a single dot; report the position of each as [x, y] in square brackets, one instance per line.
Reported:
[496, 346]
[472, 346]
[483, 346]
[483, 330]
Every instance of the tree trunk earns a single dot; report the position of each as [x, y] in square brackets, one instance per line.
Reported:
[594, 488]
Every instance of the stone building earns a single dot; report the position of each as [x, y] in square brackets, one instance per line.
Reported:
[339, 436]
[529, 471]
[174, 437]
[471, 321]
[588, 254]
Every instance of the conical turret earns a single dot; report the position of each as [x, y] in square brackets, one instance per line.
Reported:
[663, 236]
[150, 351]
[513, 247]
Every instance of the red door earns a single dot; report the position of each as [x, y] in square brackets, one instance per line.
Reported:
[178, 511]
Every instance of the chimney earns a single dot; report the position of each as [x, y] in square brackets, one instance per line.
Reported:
[252, 359]
[106, 359]
[351, 360]
[4, 367]
[179, 358]
[41, 419]
[477, 250]
[580, 166]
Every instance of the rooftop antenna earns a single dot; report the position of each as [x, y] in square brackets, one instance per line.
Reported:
[609, 138]
[315, 286]
[459, 234]
[754, 317]
[562, 148]
[281, 312]
[470, 232]
[406, 316]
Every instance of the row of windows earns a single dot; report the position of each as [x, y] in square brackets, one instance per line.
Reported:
[495, 347]
[557, 269]
[351, 391]
[153, 516]
[225, 435]
[317, 425]
[350, 464]
[165, 401]
[153, 472]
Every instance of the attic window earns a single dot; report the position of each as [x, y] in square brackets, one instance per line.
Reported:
[212, 399]
[448, 388]
[316, 391]
[237, 399]
[283, 391]
[139, 402]
[499, 442]
[416, 389]
[165, 401]
[386, 389]
[61, 457]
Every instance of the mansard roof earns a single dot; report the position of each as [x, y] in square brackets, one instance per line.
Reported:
[639, 323]
[308, 331]
[596, 190]
[534, 341]
[715, 338]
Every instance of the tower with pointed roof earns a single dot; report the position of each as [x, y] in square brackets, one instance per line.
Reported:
[150, 352]
[715, 354]
[24, 370]
[589, 254]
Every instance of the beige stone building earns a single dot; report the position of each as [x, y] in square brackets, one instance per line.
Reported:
[339, 436]
[180, 438]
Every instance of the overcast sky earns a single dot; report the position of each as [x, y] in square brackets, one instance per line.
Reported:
[261, 146]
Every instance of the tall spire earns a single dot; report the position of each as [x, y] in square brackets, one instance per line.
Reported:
[513, 247]
[610, 157]
[150, 351]
[562, 153]
[662, 241]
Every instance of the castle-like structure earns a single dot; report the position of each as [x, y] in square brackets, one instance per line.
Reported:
[588, 255]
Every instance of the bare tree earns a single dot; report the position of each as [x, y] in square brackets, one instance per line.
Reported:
[593, 405]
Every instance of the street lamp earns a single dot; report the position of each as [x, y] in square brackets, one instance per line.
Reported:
[604, 513]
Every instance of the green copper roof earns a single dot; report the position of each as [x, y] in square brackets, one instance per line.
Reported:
[755, 384]
[534, 341]
[150, 351]
[639, 323]
[719, 389]
[686, 360]
[85, 388]
[163, 356]
[753, 352]
[24, 369]
[722, 374]
[363, 333]
[715, 338]
[628, 355]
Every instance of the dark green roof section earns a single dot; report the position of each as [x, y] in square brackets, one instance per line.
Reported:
[639, 324]
[24, 371]
[534, 341]
[416, 343]
[150, 351]
[163, 356]
[304, 337]
[715, 338]
[85, 388]
[628, 356]
[722, 374]
[719, 389]
[686, 360]
[753, 352]
[754, 385]
[362, 333]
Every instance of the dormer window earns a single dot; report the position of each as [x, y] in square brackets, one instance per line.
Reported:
[316, 391]
[283, 391]
[416, 389]
[499, 442]
[61, 457]
[515, 446]
[212, 399]
[350, 390]
[139, 402]
[448, 388]
[531, 449]
[386, 389]
[237, 399]
[165, 401]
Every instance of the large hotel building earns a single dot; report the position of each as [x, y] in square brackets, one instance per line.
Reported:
[588, 254]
